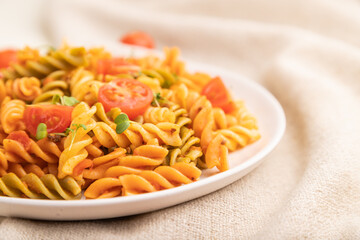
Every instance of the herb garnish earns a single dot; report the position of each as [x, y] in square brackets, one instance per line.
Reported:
[41, 131]
[64, 100]
[122, 123]
[74, 131]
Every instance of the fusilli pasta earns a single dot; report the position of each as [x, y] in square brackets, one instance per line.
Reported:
[76, 119]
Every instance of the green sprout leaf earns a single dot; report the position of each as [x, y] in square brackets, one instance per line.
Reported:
[55, 99]
[68, 130]
[122, 117]
[41, 131]
[158, 100]
[83, 126]
[70, 101]
[64, 100]
[122, 123]
[120, 128]
[74, 131]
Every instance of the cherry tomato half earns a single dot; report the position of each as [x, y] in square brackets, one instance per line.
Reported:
[21, 137]
[115, 66]
[6, 57]
[218, 95]
[138, 38]
[131, 96]
[57, 118]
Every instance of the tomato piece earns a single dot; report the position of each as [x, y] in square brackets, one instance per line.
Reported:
[229, 107]
[218, 95]
[131, 96]
[21, 137]
[78, 169]
[138, 38]
[6, 57]
[57, 118]
[115, 66]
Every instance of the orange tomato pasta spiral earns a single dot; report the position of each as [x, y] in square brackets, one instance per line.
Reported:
[16, 153]
[3, 163]
[158, 114]
[74, 145]
[11, 115]
[3, 92]
[102, 163]
[134, 174]
[144, 157]
[84, 86]
[25, 88]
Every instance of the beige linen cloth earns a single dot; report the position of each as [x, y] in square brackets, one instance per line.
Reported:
[307, 53]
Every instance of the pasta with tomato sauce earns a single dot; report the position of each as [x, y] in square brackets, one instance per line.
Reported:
[76, 119]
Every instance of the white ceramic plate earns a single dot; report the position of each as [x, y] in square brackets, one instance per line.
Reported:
[271, 124]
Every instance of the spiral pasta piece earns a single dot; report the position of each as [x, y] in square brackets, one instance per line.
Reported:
[198, 107]
[53, 84]
[16, 153]
[104, 188]
[84, 86]
[190, 150]
[238, 136]
[159, 77]
[172, 61]
[3, 92]
[151, 80]
[103, 163]
[244, 117]
[204, 124]
[107, 136]
[133, 181]
[11, 115]
[158, 114]
[32, 186]
[21, 170]
[196, 81]
[167, 133]
[163, 177]
[65, 58]
[145, 157]
[3, 163]
[104, 130]
[94, 149]
[74, 145]
[25, 88]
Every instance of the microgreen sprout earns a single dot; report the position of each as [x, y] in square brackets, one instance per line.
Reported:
[41, 131]
[122, 123]
[64, 100]
[158, 100]
[74, 131]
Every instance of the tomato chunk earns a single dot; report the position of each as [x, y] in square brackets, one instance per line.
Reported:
[7, 57]
[115, 66]
[57, 118]
[218, 95]
[138, 38]
[131, 96]
[21, 137]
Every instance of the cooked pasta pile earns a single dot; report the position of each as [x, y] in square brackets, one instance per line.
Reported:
[61, 131]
